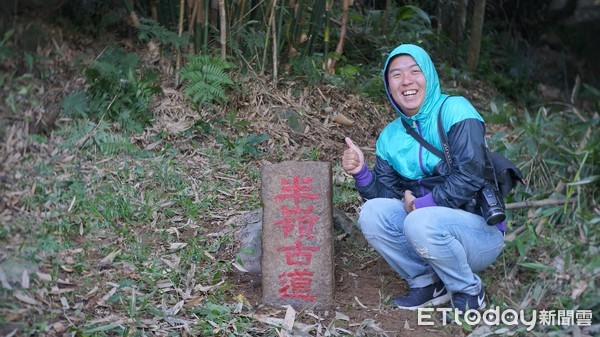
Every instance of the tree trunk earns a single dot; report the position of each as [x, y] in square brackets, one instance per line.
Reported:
[460, 21]
[386, 14]
[476, 32]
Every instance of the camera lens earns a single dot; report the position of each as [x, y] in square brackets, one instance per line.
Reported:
[492, 209]
[495, 218]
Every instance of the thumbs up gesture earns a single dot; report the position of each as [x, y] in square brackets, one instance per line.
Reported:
[353, 158]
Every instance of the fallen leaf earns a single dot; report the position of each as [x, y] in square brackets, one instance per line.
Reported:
[239, 267]
[153, 145]
[174, 310]
[361, 305]
[44, 277]
[65, 282]
[58, 327]
[193, 301]
[25, 280]
[288, 322]
[205, 289]
[578, 289]
[4, 280]
[343, 120]
[91, 293]
[58, 291]
[177, 245]
[64, 303]
[68, 269]
[102, 301]
[164, 284]
[108, 259]
[25, 298]
[340, 316]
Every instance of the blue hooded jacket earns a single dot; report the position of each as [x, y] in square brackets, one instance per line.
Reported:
[402, 163]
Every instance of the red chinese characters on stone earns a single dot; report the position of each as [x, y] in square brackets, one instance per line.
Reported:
[300, 218]
[300, 222]
[298, 254]
[296, 284]
[295, 189]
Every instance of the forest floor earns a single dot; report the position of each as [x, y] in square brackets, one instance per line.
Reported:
[73, 286]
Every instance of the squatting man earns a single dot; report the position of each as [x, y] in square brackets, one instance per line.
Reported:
[420, 214]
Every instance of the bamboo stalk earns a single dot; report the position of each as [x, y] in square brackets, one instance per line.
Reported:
[293, 27]
[135, 21]
[316, 20]
[274, 31]
[223, 17]
[179, 33]
[206, 24]
[340, 47]
[192, 22]
[198, 21]
[242, 11]
[280, 25]
[153, 10]
[328, 6]
[269, 27]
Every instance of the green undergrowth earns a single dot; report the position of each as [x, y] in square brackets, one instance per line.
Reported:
[133, 226]
[551, 259]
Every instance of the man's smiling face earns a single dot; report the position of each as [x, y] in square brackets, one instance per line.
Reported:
[406, 83]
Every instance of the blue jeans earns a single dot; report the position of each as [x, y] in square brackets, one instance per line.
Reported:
[431, 243]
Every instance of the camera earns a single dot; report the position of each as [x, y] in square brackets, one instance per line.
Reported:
[492, 208]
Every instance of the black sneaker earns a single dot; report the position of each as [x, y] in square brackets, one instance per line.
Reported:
[434, 294]
[462, 303]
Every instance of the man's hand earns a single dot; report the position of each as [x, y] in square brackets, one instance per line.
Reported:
[409, 201]
[353, 159]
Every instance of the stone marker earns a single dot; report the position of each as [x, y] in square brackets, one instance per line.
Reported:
[297, 236]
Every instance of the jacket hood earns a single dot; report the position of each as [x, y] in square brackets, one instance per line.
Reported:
[433, 91]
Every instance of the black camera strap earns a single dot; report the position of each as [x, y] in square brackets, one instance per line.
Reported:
[445, 155]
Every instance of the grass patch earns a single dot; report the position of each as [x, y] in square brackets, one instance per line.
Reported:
[129, 231]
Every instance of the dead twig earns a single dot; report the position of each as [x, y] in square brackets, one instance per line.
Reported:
[539, 203]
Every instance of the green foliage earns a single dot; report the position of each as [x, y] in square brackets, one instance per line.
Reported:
[75, 105]
[206, 79]
[220, 316]
[556, 253]
[87, 135]
[149, 29]
[404, 24]
[243, 146]
[93, 17]
[307, 68]
[5, 50]
[118, 90]
[249, 40]
[21, 93]
[509, 66]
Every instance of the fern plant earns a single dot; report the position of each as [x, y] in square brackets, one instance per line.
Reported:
[98, 137]
[307, 68]
[206, 79]
[150, 29]
[118, 91]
